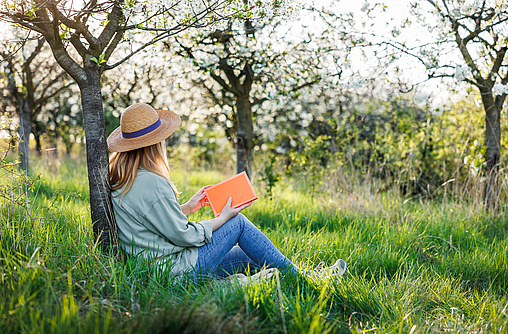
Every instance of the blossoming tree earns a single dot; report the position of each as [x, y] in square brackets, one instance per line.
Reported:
[477, 29]
[31, 83]
[250, 71]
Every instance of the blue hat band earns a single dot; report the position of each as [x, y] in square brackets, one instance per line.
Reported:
[142, 132]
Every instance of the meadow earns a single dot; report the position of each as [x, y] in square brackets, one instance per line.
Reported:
[415, 265]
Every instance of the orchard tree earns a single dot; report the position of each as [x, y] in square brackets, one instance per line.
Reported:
[478, 31]
[468, 42]
[85, 50]
[247, 65]
[32, 81]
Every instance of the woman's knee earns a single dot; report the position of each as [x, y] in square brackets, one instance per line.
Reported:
[235, 222]
[244, 220]
[242, 217]
[238, 221]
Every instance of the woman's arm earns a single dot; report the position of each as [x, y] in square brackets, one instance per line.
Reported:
[166, 219]
[196, 202]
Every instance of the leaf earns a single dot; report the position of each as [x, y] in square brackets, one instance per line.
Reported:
[99, 61]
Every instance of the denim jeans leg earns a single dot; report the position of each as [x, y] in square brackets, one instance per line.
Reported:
[260, 249]
[212, 254]
[250, 239]
[236, 261]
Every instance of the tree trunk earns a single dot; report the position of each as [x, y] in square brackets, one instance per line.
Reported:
[244, 137]
[68, 149]
[25, 128]
[493, 144]
[52, 150]
[38, 145]
[103, 219]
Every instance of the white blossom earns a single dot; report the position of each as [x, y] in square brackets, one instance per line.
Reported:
[421, 98]
[365, 6]
[461, 72]
[395, 32]
[499, 89]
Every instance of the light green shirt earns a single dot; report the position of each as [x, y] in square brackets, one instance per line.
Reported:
[151, 224]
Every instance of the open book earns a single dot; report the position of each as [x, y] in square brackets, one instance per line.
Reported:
[238, 187]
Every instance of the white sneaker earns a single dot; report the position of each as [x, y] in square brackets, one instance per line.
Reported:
[264, 275]
[337, 270]
[238, 278]
[341, 267]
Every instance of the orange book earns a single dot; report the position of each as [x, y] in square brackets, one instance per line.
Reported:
[238, 187]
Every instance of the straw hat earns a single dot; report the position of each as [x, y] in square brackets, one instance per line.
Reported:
[140, 126]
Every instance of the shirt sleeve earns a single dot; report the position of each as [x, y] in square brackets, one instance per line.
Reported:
[167, 219]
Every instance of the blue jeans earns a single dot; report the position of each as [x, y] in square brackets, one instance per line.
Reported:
[221, 257]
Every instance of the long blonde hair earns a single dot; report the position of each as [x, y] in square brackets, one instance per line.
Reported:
[123, 166]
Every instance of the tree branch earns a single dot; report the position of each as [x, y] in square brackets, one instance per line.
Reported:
[234, 83]
[78, 26]
[38, 48]
[51, 83]
[87, 10]
[249, 78]
[259, 101]
[111, 28]
[223, 83]
[497, 64]
[461, 44]
[50, 33]
[154, 40]
[21, 23]
[211, 93]
[42, 101]
[112, 46]
[307, 84]
[76, 42]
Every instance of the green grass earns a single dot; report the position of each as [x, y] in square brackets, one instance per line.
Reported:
[414, 266]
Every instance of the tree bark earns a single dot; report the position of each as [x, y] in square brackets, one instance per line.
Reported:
[68, 149]
[103, 220]
[244, 137]
[52, 150]
[38, 145]
[37, 131]
[493, 147]
[25, 128]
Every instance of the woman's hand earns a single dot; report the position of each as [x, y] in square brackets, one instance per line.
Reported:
[196, 202]
[227, 213]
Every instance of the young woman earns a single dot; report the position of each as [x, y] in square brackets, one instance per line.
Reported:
[152, 223]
